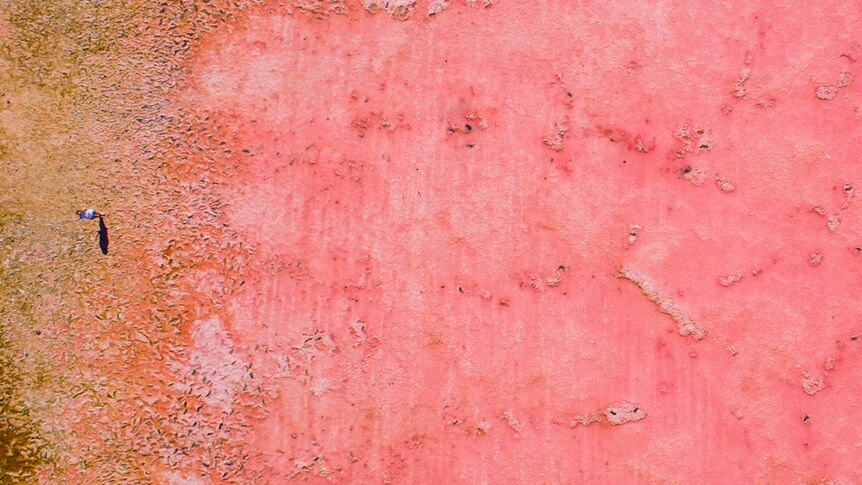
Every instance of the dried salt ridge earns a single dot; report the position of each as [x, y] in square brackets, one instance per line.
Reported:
[634, 232]
[615, 414]
[437, 6]
[828, 92]
[697, 176]
[397, 9]
[812, 385]
[555, 142]
[512, 421]
[815, 258]
[730, 279]
[724, 185]
[739, 87]
[684, 323]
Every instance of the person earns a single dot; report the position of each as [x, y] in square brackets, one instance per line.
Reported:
[89, 214]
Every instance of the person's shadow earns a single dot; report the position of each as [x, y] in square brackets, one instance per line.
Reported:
[103, 236]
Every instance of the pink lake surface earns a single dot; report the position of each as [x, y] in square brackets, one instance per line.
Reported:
[480, 236]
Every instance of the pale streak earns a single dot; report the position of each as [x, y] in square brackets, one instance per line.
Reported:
[684, 323]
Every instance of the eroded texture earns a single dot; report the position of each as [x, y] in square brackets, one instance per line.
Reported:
[93, 346]
[415, 246]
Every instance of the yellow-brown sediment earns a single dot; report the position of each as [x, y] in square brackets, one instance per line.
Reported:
[87, 341]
